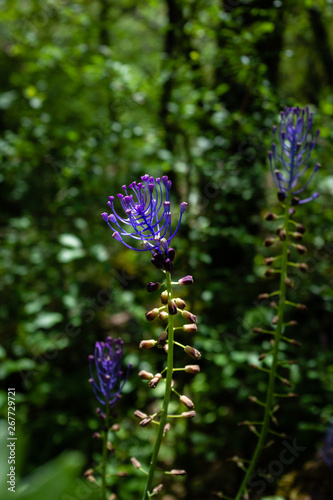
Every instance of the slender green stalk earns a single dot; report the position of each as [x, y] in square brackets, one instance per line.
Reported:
[271, 383]
[166, 399]
[105, 451]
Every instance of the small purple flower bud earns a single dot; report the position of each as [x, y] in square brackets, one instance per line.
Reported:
[162, 339]
[171, 254]
[193, 353]
[153, 286]
[147, 344]
[193, 369]
[187, 280]
[145, 375]
[189, 316]
[187, 401]
[183, 207]
[155, 380]
[168, 265]
[172, 307]
[151, 315]
[117, 236]
[189, 414]
[136, 463]
[180, 303]
[104, 216]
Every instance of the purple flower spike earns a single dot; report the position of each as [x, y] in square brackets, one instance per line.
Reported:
[291, 161]
[146, 212]
[327, 449]
[106, 381]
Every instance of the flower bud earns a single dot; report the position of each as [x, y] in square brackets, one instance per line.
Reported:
[151, 315]
[191, 328]
[257, 330]
[157, 260]
[181, 304]
[164, 316]
[166, 429]
[189, 414]
[194, 369]
[268, 242]
[145, 421]
[162, 339]
[96, 435]
[115, 427]
[171, 254]
[187, 280]
[281, 196]
[152, 286]
[193, 353]
[140, 414]
[268, 261]
[300, 228]
[293, 323]
[289, 283]
[270, 216]
[91, 479]
[177, 472]
[275, 320]
[189, 316]
[166, 348]
[302, 307]
[301, 249]
[136, 463]
[295, 201]
[263, 296]
[145, 375]
[298, 236]
[121, 473]
[187, 401]
[282, 234]
[172, 307]
[147, 344]
[164, 297]
[157, 489]
[269, 272]
[88, 472]
[303, 267]
[154, 381]
[168, 266]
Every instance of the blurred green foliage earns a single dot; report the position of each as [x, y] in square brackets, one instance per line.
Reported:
[94, 94]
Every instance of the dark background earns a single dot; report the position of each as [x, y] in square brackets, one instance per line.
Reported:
[93, 95]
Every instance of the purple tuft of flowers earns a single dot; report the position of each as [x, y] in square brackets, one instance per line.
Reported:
[107, 381]
[327, 449]
[147, 215]
[292, 159]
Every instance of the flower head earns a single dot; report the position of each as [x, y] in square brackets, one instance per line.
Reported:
[327, 449]
[146, 212]
[107, 359]
[291, 162]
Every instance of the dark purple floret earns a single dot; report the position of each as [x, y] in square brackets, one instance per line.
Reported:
[327, 449]
[107, 381]
[291, 160]
[146, 207]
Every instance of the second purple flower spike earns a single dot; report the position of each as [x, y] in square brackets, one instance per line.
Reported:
[292, 160]
[146, 212]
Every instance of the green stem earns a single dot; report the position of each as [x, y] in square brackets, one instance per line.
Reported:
[105, 451]
[271, 383]
[166, 399]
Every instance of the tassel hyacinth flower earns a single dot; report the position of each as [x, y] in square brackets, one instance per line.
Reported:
[107, 382]
[148, 215]
[297, 142]
[291, 161]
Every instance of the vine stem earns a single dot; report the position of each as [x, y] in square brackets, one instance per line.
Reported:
[105, 450]
[166, 399]
[273, 369]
